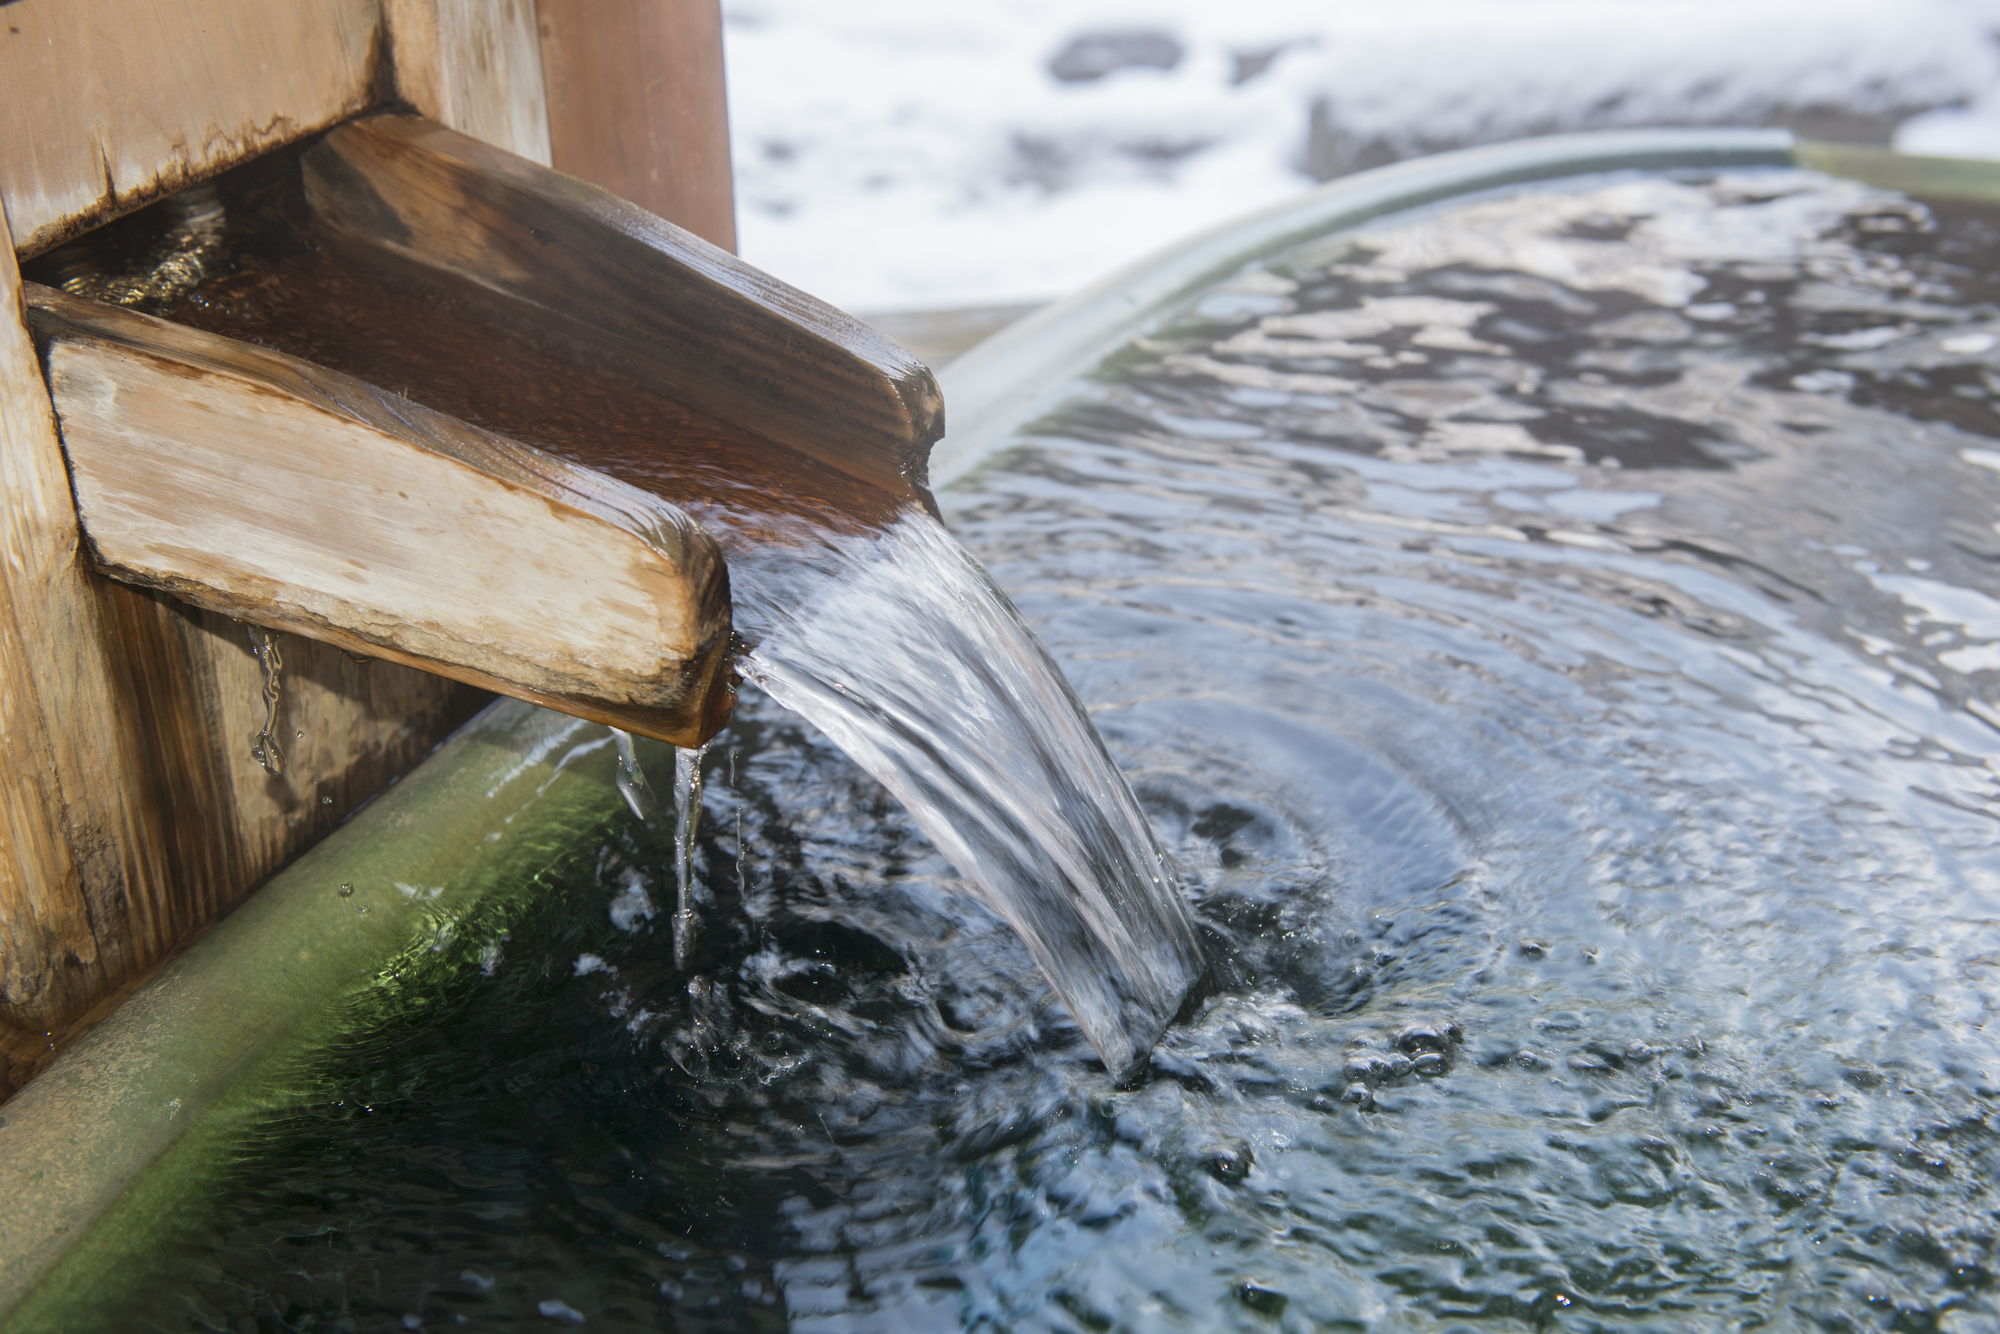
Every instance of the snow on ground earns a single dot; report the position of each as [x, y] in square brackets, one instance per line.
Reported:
[926, 154]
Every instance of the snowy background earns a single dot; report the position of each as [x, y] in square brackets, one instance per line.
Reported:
[935, 154]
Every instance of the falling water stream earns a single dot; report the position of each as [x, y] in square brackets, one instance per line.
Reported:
[1556, 635]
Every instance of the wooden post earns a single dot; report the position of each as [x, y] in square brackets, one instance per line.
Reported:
[636, 105]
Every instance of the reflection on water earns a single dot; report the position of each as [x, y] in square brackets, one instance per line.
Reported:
[1558, 639]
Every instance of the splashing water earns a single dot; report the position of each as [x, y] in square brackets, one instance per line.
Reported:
[923, 672]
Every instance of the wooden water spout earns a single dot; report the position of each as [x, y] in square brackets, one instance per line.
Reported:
[589, 339]
[420, 399]
[134, 811]
[277, 489]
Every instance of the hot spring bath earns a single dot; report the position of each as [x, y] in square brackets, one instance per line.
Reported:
[1556, 631]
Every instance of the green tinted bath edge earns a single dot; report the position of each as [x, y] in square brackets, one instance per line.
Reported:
[127, 1132]
[115, 1143]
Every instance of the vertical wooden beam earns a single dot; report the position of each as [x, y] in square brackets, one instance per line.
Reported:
[475, 65]
[636, 105]
[79, 830]
[41, 891]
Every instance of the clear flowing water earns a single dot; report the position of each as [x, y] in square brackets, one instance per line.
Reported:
[1559, 639]
[905, 655]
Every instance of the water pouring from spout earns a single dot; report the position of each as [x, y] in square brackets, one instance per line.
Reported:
[906, 655]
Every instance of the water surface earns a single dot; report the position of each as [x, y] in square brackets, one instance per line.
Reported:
[1559, 639]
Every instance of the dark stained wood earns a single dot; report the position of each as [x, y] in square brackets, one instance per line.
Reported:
[250, 483]
[618, 289]
[636, 105]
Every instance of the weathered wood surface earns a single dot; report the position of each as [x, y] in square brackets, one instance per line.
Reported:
[637, 105]
[475, 65]
[253, 484]
[613, 286]
[133, 809]
[106, 105]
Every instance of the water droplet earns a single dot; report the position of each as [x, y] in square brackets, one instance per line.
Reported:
[346, 890]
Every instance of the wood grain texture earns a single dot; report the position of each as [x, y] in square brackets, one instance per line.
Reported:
[610, 285]
[132, 810]
[475, 65]
[253, 484]
[636, 104]
[107, 104]
[47, 931]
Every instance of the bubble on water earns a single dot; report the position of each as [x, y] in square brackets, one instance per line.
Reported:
[1229, 1163]
[555, 1309]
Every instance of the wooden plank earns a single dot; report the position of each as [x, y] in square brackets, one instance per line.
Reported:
[253, 484]
[602, 281]
[636, 104]
[475, 65]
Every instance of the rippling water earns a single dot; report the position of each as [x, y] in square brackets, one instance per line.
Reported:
[1559, 637]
